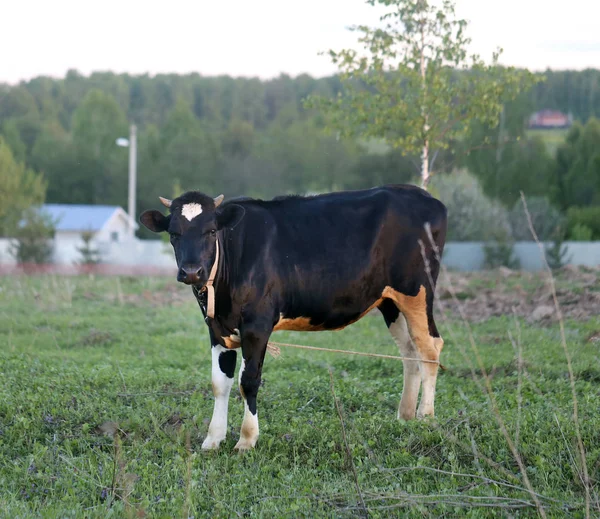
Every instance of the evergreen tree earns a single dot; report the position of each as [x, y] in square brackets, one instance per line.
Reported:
[89, 255]
[556, 251]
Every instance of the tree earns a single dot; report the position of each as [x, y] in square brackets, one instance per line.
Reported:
[34, 237]
[21, 189]
[12, 137]
[17, 102]
[557, 252]
[252, 137]
[56, 156]
[89, 255]
[418, 89]
[520, 165]
[238, 139]
[97, 122]
[577, 181]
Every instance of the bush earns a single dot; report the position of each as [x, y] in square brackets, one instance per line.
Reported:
[584, 217]
[581, 232]
[499, 251]
[544, 216]
[556, 252]
[471, 215]
[34, 237]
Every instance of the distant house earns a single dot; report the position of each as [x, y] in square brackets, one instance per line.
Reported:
[108, 223]
[548, 119]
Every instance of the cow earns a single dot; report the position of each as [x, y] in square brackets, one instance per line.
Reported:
[308, 263]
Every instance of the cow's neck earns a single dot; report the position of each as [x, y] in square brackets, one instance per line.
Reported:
[219, 304]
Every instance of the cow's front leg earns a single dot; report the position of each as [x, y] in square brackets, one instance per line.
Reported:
[223, 369]
[254, 346]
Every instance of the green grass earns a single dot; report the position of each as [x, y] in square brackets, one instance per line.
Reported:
[553, 138]
[79, 352]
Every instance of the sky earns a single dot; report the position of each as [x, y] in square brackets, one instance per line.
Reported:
[263, 38]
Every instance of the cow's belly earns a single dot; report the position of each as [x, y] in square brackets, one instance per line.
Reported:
[336, 319]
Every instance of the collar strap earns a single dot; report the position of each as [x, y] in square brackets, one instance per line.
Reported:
[210, 304]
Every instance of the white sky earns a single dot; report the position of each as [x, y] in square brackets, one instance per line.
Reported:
[263, 37]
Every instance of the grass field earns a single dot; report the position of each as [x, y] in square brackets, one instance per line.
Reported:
[105, 398]
[553, 138]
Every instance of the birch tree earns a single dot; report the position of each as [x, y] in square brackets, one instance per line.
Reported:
[20, 189]
[416, 86]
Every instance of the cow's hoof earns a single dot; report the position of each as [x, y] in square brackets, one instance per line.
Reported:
[244, 445]
[425, 416]
[211, 444]
[405, 416]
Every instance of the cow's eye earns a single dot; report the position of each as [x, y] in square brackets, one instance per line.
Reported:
[174, 237]
[213, 232]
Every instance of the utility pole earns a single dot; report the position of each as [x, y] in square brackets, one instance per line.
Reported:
[131, 143]
[132, 177]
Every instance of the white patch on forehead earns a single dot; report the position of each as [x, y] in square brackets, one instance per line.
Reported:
[190, 211]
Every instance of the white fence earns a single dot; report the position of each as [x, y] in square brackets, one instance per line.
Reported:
[465, 256]
[469, 256]
[148, 253]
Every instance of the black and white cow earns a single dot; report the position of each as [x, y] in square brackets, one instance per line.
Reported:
[308, 264]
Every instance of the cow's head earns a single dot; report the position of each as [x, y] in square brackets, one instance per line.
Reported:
[193, 224]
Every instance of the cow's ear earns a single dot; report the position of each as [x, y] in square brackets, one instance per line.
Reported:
[229, 216]
[155, 220]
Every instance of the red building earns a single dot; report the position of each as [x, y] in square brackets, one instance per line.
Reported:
[550, 119]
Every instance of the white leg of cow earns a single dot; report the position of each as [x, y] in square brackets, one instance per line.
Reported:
[412, 374]
[249, 430]
[429, 373]
[223, 368]
[420, 325]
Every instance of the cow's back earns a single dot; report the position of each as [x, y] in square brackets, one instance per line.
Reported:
[330, 256]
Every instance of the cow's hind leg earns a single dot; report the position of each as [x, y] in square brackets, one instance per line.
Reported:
[418, 311]
[398, 328]
[223, 369]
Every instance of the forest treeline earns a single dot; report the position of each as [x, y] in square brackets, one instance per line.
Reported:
[254, 137]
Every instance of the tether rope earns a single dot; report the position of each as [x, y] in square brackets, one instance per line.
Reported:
[273, 348]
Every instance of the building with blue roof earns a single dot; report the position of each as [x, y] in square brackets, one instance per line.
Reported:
[108, 223]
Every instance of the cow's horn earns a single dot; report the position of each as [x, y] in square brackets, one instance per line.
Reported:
[218, 200]
[165, 201]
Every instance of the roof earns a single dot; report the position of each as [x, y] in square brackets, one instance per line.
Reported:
[548, 111]
[74, 217]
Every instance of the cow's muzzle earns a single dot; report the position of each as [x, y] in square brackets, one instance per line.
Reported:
[190, 274]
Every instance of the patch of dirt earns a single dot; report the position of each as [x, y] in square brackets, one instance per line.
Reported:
[504, 292]
[175, 421]
[594, 338]
[107, 429]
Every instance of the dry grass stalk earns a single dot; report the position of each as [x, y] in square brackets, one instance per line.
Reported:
[122, 377]
[586, 479]
[116, 466]
[364, 511]
[474, 449]
[482, 478]
[486, 379]
[120, 297]
[518, 347]
[122, 484]
[187, 505]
